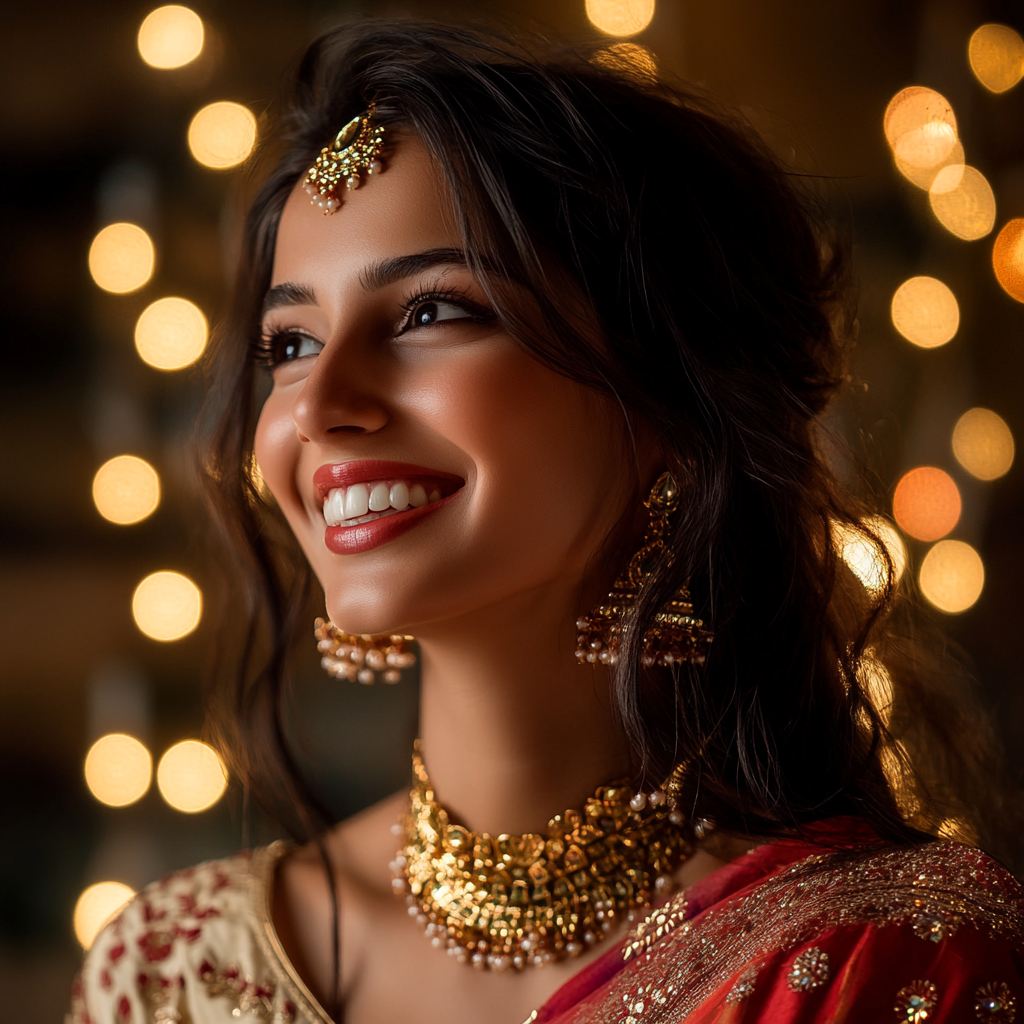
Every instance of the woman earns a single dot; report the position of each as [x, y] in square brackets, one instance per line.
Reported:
[549, 344]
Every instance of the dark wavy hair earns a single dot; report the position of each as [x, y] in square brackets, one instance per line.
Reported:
[720, 292]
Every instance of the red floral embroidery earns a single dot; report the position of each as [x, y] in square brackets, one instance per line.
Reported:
[149, 914]
[221, 880]
[105, 980]
[124, 1010]
[188, 934]
[116, 952]
[156, 945]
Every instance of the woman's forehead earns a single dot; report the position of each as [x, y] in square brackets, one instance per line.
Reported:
[406, 209]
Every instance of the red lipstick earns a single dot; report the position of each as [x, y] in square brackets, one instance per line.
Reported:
[351, 540]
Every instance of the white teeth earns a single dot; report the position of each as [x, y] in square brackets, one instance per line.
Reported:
[362, 503]
[357, 501]
[399, 497]
[380, 497]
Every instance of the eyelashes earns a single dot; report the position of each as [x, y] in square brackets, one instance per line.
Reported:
[287, 344]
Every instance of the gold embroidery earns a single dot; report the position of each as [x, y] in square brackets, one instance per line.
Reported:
[809, 970]
[744, 987]
[936, 926]
[250, 998]
[655, 926]
[882, 887]
[994, 1003]
[914, 1004]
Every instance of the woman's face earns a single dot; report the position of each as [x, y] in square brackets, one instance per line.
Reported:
[458, 472]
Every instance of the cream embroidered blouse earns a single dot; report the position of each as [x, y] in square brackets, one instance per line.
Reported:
[197, 947]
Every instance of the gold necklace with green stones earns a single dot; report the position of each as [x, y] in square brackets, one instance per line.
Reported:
[508, 902]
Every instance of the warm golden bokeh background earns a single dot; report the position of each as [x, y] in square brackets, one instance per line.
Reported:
[125, 131]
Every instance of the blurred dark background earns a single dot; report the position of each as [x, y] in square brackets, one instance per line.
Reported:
[92, 135]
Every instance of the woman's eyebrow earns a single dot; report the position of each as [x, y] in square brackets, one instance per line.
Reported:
[388, 271]
[288, 294]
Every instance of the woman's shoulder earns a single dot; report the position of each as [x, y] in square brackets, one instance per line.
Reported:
[932, 932]
[194, 946]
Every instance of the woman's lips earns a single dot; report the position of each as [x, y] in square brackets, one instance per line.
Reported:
[380, 500]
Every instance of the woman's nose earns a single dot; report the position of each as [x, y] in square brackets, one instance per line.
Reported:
[338, 397]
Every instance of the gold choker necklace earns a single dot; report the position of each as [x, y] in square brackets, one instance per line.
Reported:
[506, 902]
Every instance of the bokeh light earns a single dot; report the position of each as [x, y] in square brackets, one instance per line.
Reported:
[963, 201]
[923, 176]
[171, 334]
[925, 312]
[191, 776]
[952, 576]
[171, 37]
[126, 489]
[96, 906]
[862, 555]
[920, 126]
[620, 17]
[996, 53]
[222, 135]
[628, 58]
[121, 258]
[118, 769]
[926, 503]
[167, 606]
[1008, 258]
[983, 444]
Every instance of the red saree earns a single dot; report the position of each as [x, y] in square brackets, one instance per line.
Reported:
[838, 928]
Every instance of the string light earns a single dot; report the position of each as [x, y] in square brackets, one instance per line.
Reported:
[983, 444]
[222, 135]
[121, 258]
[996, 53]
[963, 201]
[126, 490]
[118, 769]
[171, 334]
[171, 37]
[864, 558]
[620, 17]
[167, 606]
[926, 503]
[191, 776]
[952, 576]
[925, 312]
[1008, 258]
[96, 906]
[628, 58]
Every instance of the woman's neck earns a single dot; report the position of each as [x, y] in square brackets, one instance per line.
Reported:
[513, 728]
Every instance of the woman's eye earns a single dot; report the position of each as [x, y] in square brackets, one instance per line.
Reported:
[287, 347]
[426, 313]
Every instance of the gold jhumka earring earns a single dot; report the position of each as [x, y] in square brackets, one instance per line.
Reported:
[355, 149]
[676, 636]
[362, 657]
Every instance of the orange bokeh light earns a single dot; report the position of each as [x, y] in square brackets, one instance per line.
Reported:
[1008, 258]
[926, 503]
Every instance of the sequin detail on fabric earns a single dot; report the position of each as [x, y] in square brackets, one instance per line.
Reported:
[744, 987]
[958, 886]
[810, 969]
[994, 1003]
[916, 1001]
[654, 927]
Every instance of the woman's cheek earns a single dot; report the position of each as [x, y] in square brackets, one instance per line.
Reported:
[277, 448]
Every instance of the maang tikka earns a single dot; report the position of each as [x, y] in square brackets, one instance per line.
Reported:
[362, 657]
[675, 636]
[355, 149]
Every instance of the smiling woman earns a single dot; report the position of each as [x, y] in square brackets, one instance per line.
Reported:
[548, 347]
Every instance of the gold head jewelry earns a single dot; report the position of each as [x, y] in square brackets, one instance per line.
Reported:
[508, 902]
[356, 148]
[362, 657]
[676, 635]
